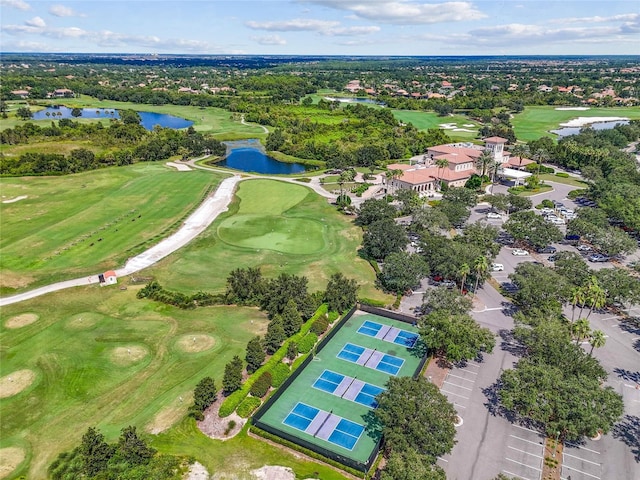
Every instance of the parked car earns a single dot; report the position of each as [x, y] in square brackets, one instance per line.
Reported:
[597, 257]
[546, 210]
[571, 239]
[547, 249]
[558, 221]
[584, 247]
[494, 216]
[552, 258]
[505, 239]
[558, 204]
[497, 267]
[518, 252]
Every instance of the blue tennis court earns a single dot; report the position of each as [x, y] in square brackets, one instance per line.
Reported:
[388, 333]
[324, 425]
[371, 358]
[348, 388]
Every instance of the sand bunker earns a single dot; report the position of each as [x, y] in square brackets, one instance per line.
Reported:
[448, 126]
[21, 320]
[572, 108]
[197, 471]
[128, 355]
[15, 199]
[195, 342]
[273, 472]
[181, 167]
[16, 382]
[10, 458]
[462, 130]
[582, 121]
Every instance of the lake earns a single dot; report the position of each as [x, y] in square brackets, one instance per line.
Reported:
[149, 119]
[248, 156]
[354, 100]
[566, 131]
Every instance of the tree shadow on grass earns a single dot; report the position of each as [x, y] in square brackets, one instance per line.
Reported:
[628, 431]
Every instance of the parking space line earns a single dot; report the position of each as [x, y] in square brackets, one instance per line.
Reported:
[468, 371]
[528, 441]
[459, 386]
[458, 405]
[524, 451]
[579, 471]
[527, 429]
[581, 448]
[523, 464]
[473, 363]
[581, 459]
[462, 378]
[445, 461]
[519, 476]
[456, 394]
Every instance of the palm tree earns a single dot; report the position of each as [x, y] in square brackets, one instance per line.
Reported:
[464, 271]
[581, 330]
[520, 150]
[577, 297]
[391, 175]
[481, 267]
[441, 163]
[540, 156]
[596, 296]
[597, 340]
[494, 170]
[483, 163]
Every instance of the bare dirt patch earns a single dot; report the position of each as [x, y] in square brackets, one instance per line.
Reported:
[128, 355]
[10, 279]
[16, 382]
[197, 471]
[170, 415]
[219, 428]
[21, 320]
[196, 342]
[10, 458]
[273, 472]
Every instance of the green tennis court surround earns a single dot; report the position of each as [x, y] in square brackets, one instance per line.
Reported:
[326, 405]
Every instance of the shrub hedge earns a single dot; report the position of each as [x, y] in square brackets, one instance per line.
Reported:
[261, 386]
[562, 175]
[233, 400]
[320, 326]
[279, 374]
[308, 341]
[248, 406]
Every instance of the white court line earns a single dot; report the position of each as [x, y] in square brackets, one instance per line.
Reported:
[579, 471]
[524, 451]
[462, 378]
[519, 476]
[528, 441]
[456, 394]
[527, 429]
[581, 448]
[523, 464]
[459, 386]
[581, 459]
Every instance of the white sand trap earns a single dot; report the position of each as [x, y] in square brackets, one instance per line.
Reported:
[10, 458]
[179, 166]
[197, 471]
[581, 109]
[21, 320]
[128, 355]
[448, 126]
[16, 382]
[468, 125]
[273, 472]
[15, 199]
[195, 342]
[582, 121]
[463, 130]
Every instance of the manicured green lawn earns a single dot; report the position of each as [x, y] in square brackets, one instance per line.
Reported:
[427, 120]
[281, 227]
[567, 181]
[84, 377]
[92, 221]
[535, 122]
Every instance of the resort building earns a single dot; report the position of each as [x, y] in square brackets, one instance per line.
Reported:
[462, 158]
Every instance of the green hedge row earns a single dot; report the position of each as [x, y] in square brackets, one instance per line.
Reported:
[306, 344]
[248, 406]
[310, 453]
[562, 175]
[371, 302]
[233, 400]
[279, 374]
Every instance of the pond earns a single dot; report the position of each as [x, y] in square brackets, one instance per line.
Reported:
[606, 125]
[149, 119]
[249, 156]
[354, 100]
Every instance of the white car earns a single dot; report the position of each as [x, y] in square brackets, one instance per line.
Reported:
[558, 221]
[546, 210]
[497, 267]
[494, 215]
[518, 252]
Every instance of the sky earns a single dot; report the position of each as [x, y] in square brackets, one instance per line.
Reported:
[323, 27]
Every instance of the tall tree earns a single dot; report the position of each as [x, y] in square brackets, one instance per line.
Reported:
[204, 394]
[464, 271]
[232, 378]
[403, 271]
[415, 415]
[480, 267]
[446, 301]
[255, 355]
[410, 465]
[291, 318]
[483, 163]
[132, 449]
[531, 227]
[95, 452]
[520, 151]
[597, 340]
[341, 293]
[441, 163]
[384, 237]
[581, 330]
[373, 209]
[275, 335]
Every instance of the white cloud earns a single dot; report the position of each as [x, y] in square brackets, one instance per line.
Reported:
[36, 22]
[350, 31]
[25, 46]
[62, 11]
[270, 40]
[625, 17]
[19, 4]
[295, 25]
[405, 12]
